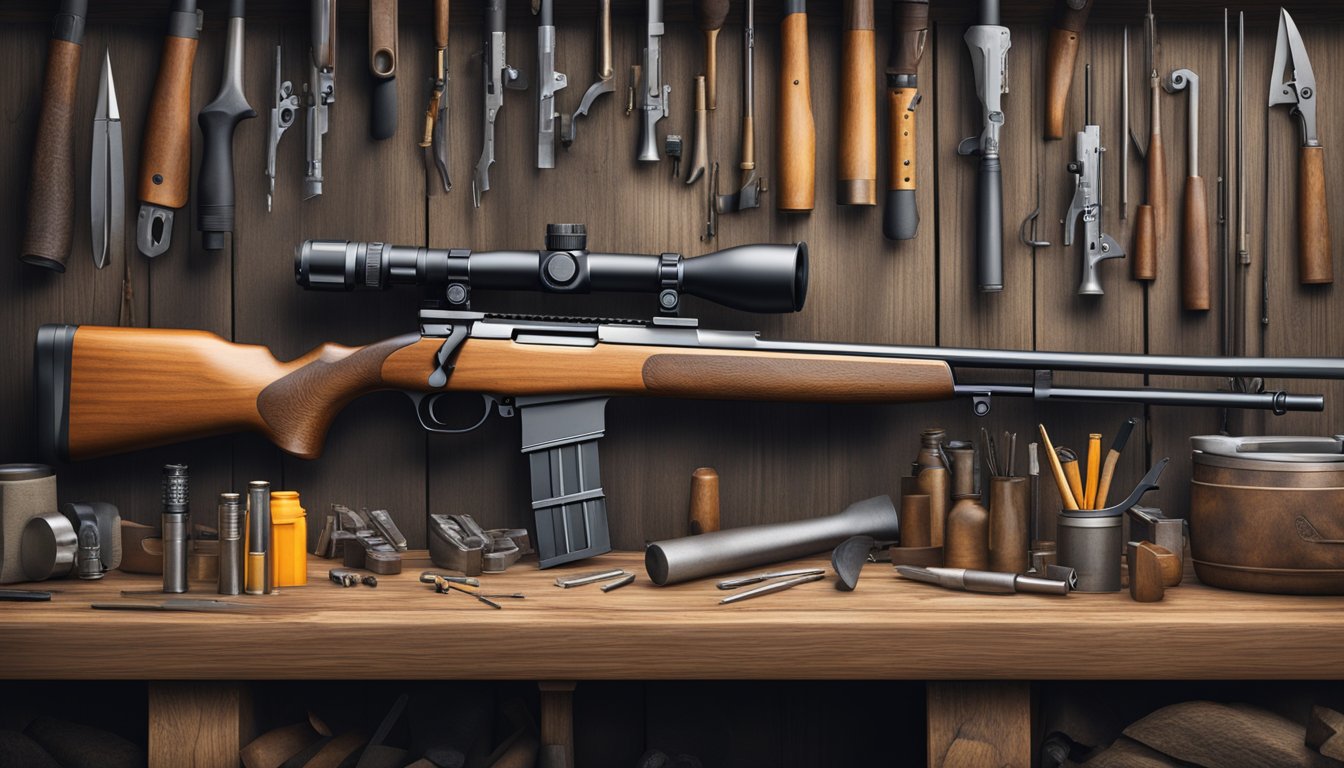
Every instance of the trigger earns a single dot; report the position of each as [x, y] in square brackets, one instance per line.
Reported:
[439, 378]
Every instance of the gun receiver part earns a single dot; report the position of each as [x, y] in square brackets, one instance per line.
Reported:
[988, 43]
[1195, 215]
[283, 111]
[1060, 58]
[107, 193]
[1294, 84]
[497, 75]
[218, 120]
[796, 129]
[548, 83]
[434, 139]
[753, 186]
[165, 154]
[383, 66]
[50, 227]
[1086, 205]
[321, 89]
[856, 169]
[700, 152]
[711, 14]
[654, 94]
[909, 35]
[605, 71]
[754, 278]
[1150, 220]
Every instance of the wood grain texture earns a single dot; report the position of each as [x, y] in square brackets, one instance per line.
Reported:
[1314, 260]
[1061, 54]
[856, 142]
[165, 166]
[51, 184]
[995, 715]
[796, 189]
[1195, 253]
[198, 724]
[903, 162]
[891, 629]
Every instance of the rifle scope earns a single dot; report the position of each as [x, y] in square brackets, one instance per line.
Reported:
[754, 278]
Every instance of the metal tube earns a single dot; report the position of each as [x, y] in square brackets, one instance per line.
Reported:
[231, 562]
[258, 537]
[176, 521]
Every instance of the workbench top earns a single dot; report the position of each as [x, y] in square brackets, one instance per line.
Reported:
[887, 628]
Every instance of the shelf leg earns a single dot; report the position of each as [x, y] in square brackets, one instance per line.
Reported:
[201, 724]
[979, 723]
[557, 724]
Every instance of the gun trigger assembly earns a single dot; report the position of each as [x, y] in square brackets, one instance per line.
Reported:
[443, 358]
[283, 112]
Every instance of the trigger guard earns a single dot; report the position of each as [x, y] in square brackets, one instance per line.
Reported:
[424, 410]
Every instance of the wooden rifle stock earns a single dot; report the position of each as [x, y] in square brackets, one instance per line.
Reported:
[1060, 57]
[857, 173]
[796, 128]
[109, 390]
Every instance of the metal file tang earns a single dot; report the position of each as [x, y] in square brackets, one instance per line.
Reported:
[107, 194]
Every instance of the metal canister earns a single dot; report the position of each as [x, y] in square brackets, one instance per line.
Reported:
[258, 574]
[230, 544]
[1091, 546]
[176, 526]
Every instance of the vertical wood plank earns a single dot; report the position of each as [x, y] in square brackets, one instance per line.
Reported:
[991, 720]
[200, 724]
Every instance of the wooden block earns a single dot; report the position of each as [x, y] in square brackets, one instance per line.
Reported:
[1325, 732]
[1145, 573]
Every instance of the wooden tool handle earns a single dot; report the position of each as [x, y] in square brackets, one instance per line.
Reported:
[165, 153]
[1061, 481]
[1075, 480]
[1107, 475]
[900, 220]
[383, 38]
[1093, 470]
[856, 182]
[796, 130]
[1060, 57]
[712, 67]
[51, 187]
[1195, 247]
[1144, 263]
[1314, 260]
[704, 501]
[441, 23]
[1157, 193]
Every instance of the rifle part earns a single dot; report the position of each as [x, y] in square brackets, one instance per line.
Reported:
[796, 129]
[856, 182]
[753, 186]
[107, 188]
[497, 75]
[50, 226]
[383, 66]
[165, 154]
[1298, 91]
[218, 120]
[1195, 214]
[434, 138]
[654, 94]
[1060, 58]
[605, 82]
[548, 83]
[909, 34]
[1086, 205]
[711, 14]
[1150, 224]
[321, 89]
[283, 111]
[988, 43]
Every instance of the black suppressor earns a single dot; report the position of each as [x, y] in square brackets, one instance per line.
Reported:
[755, 278]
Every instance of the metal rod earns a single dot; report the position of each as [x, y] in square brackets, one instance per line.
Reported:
[1124, 143]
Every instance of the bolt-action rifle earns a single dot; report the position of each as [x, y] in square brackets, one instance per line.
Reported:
[108, 390]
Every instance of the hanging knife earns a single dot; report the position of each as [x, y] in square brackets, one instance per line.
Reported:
[107, 193]
[51, 186]
[218, 119]
[605, 70]
[1313, 226]
[321, 89]
[548, 83]
[165, 154]
[434, 141]
[283, 111]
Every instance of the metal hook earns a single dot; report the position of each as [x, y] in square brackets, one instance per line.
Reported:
[1031, 221]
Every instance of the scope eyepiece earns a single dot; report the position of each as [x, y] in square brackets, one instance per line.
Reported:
[754, 278]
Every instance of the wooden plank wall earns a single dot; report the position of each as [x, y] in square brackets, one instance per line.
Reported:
[777, 462]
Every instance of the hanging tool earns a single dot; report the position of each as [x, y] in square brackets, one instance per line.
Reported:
[1195, 213]
[548, 83]
[1243, 240]
[1228, 270]
[711, 14]
[1298, 90]
[383, 58]
[434, 139]
[988, 43]
[654, 94]
[711, 205]
[321, 89]
[1087, 199]
[283, 111]
[605, 70]
[795, 128]
[107, 193]
[909, 33]
[165, 154]
[51, 183]
[218, 120]
[1112, 458]
[856, 182]
[1060, 57]
[1027, 232]
[1124, 145]
[700, 152]
[497, 75]
[753, 186]
[1150, 221]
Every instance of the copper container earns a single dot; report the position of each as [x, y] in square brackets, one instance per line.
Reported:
[1267, 513]
[1008, 507]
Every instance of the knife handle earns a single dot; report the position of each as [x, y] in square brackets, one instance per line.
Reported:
[51, 189]
[1314, 261]
[796, 128]
[218, 119]
[1144, 265]
[900, 219]
[1060, 57]
[440, 23]
[165, 165]
[1195, 247]
[856, 182]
